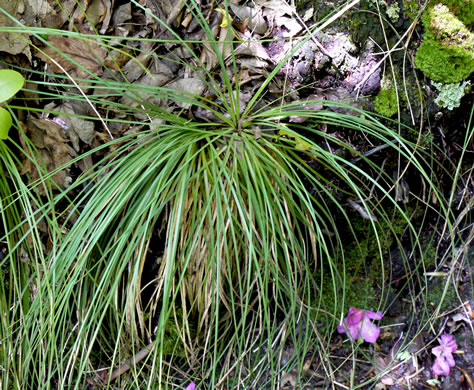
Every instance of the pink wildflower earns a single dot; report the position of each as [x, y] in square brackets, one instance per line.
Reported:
[444, 355]
[358, 323]
[191, 386]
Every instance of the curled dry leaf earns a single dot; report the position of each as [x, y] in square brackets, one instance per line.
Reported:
[282, 16]
[251, 48]
[251, 17]
[96, 12]
[107, 16]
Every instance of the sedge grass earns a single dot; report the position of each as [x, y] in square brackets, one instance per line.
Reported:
[236, 220]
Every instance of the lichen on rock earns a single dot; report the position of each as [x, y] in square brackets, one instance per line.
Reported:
[450, 94]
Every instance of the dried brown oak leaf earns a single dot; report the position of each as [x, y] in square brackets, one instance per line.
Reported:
[88, 56]
[51, 143]
[10, 42]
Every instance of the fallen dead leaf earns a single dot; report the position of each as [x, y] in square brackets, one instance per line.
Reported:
[88, 56]
[77, 128]
[96, 12]
[290, 377]
[48, 137]
[59, 16]
[192, 85]
[13, 43]
[253, 18]
[467, 377]
[34, 11]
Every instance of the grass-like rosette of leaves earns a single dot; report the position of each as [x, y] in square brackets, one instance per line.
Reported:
[199, 238]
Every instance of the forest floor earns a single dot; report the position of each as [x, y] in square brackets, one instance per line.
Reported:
[347, 62]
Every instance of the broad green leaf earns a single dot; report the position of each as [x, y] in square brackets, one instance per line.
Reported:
[10, 83]
[5, 123]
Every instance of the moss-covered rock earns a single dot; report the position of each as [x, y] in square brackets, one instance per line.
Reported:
[447, 52]
[442, 63]
[441, 24]
[463, 9]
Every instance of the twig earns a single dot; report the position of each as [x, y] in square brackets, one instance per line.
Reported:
[140, 355]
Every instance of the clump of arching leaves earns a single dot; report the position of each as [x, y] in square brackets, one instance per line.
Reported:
[241, 218]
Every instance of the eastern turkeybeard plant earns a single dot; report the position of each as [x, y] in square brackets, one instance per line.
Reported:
[202, 238]
[22, 258]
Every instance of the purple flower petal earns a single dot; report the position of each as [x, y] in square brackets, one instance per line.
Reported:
[373, 316]
[369, 331]
[449, 342]
[191, 386]
[438, 351]
[440, 367]
[355, 316]
[444, 355]
[358, 324]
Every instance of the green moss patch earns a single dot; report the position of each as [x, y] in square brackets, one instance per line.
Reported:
[386, 102]
[447, 52]
[364, 268]
[443, 63]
